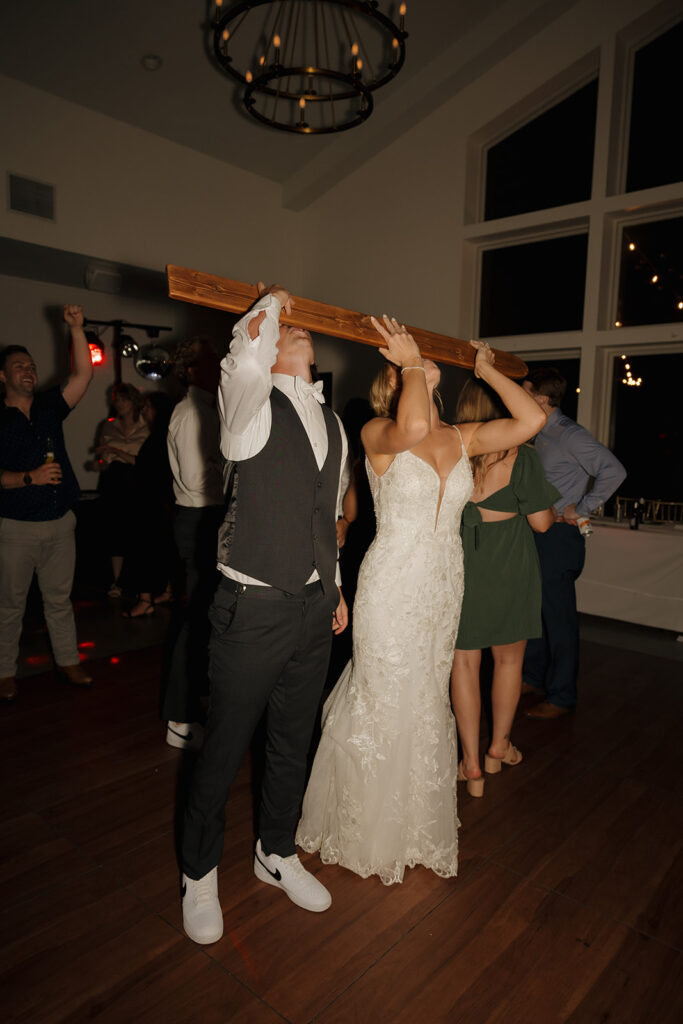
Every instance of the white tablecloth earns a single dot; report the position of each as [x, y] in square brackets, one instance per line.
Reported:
[634, 575]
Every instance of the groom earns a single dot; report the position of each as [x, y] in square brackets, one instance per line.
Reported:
[276, 606]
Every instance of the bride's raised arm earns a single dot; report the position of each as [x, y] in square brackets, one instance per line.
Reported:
[526, 417]
[389, 434]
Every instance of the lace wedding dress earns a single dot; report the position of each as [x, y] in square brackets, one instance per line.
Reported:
[382, 791]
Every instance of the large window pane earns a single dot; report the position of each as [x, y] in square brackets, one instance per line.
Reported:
[647, 425]
[548, 162]
[651, 273]
[655, 155]
[533, 288]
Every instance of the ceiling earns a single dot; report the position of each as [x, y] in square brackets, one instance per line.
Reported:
[90, 54]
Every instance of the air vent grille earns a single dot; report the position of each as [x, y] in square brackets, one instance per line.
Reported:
[32, 197]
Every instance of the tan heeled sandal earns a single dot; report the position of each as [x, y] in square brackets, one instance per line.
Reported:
[475, 787]
[492, 765]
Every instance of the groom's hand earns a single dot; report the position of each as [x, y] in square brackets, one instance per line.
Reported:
[280, 293]
[340, 619]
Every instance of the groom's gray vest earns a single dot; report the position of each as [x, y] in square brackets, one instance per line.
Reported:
[281, 513]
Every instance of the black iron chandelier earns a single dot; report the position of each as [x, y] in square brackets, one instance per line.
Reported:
[309, 66]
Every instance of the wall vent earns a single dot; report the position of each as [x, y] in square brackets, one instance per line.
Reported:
[32, 197]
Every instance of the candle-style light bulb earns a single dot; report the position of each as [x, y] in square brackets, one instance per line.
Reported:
[276, 44]
[302, 103]
[219, 4]
[249, 77]
[359, 65]
[402, 12]
[354, 50]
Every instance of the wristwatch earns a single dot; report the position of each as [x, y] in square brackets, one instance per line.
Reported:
[28, 479]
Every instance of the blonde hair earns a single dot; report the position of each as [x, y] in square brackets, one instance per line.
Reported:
[385, 391]
[476, 404]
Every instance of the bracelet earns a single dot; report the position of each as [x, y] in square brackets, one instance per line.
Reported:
[413, 368]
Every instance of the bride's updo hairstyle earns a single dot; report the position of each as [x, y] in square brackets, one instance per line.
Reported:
[385, 392]
[477, 403]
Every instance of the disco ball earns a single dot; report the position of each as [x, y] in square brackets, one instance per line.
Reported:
[153, 362]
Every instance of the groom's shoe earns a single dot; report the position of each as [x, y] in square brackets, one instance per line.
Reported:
[289, 874]
[202, 914]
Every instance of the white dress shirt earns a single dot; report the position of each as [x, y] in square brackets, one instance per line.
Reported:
[194, 450]
[244, 406]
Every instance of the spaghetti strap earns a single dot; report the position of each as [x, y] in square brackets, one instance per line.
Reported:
[464, 450]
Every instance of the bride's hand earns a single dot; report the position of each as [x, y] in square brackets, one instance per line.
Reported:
[401, 348]
[484, 356]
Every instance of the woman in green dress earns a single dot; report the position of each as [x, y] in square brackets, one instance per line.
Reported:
[502, 603]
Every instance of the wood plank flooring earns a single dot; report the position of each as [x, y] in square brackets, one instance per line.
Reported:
[568, 906]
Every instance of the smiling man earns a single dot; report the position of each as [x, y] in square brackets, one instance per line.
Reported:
[37, 491]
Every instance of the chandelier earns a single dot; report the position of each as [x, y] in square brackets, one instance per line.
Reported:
[309, 66]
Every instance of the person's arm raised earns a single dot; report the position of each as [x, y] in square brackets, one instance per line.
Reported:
[82, 371]
[384, 436]
[526, 417]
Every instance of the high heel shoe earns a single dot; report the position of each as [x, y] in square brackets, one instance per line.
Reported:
[512, 756]
[475, 787]
[148, 609]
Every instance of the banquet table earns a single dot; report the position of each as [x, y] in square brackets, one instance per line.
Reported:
[634, 575]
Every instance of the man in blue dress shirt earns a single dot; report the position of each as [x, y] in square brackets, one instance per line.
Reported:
[586, 474]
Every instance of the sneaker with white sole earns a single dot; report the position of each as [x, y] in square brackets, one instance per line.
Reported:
[202, 914]
[289, 874]
[184, 735]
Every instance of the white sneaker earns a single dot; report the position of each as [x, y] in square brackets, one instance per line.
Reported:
[289, 874]
[185, 735]
[202, 914]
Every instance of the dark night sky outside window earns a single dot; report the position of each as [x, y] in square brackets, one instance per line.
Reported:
[533, 288]
[648, 428]
[548, 162]
[655, 154]
[659, 251]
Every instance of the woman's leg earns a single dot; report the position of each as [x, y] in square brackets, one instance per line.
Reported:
[466, 701]
[507, 687]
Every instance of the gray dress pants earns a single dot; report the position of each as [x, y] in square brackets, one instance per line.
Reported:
[49, 549]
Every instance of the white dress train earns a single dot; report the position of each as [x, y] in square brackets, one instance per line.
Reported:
[382, 793]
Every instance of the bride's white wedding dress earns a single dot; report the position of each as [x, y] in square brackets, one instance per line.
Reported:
[382, 793]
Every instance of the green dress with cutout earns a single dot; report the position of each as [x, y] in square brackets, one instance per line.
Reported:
[502, 602]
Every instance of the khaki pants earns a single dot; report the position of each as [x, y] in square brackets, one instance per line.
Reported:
[49, 550]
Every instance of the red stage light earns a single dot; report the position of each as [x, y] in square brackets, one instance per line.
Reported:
[114, 661]
[87, 643]
[96, 353]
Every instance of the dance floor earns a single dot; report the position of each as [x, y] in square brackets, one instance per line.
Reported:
[568, 906]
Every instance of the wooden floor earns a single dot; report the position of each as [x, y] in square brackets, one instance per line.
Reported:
[568, 906]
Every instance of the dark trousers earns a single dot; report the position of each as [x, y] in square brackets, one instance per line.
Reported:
[269, 650]
[186, 678]
[551, 662]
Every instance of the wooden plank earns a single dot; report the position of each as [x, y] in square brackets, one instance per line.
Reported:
[237, 296]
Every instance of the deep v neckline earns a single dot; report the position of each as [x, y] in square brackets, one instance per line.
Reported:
[438, 476]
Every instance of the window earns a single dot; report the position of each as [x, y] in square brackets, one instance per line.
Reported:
[647, 425]
[651, 273]
[533, 288]
[655, 155]
[548, 162]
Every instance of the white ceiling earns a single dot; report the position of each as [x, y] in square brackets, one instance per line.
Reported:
[89, 53]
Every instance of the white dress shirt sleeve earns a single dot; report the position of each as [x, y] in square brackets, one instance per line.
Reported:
[246, 383]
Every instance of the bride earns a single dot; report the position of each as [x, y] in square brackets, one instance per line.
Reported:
[382, 792]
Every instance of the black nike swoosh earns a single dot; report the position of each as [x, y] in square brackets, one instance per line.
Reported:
[274, 874]
[187, 739]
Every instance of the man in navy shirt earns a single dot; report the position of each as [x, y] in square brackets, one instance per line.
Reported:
[37, 491]
[586, 474]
